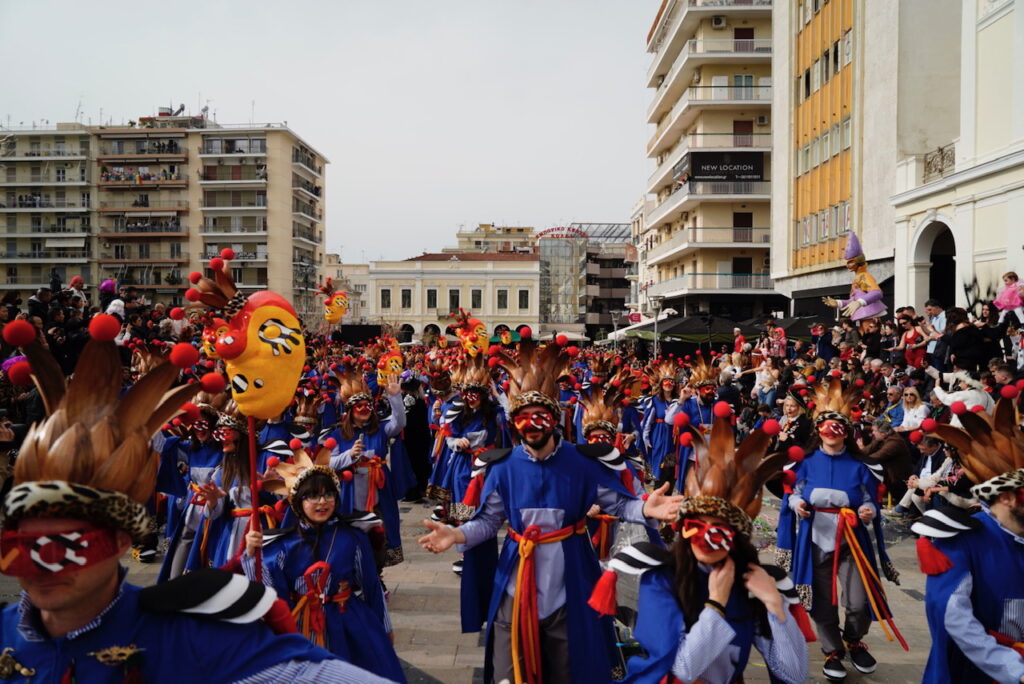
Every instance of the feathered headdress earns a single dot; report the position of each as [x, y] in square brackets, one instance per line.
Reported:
[832, 402]
[663, 369]
[91, 457]
[991, 447]
[703, 373]
[727, 479]
[352, 385]
[440, 376]
[533, 374]
[307, 404]
[472, 373]
[327, 288]
[600, 408]
[302, 465]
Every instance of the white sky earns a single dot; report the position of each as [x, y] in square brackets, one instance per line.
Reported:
[433, 113]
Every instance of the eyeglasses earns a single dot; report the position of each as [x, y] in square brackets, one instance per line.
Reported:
[318, 498]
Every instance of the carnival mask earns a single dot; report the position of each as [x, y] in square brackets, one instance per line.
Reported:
[506, 337]
[538, 420]
[265, 353]
[599, 437]
[832, 429]
[335, 307]
[212, 333]
[40, 555]
[473, 337]
[708, 537]
[389, 367]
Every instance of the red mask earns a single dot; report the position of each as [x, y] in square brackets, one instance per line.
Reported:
[708, 537]
[225, 434]
[832, 429]
[40, 555]
[600, 438]
[471, 397]
[541, 420]
[361, 407]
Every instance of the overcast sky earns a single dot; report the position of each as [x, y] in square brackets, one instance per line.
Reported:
[434, 114]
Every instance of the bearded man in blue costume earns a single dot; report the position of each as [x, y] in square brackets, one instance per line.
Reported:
[975, 563]
[539, 626]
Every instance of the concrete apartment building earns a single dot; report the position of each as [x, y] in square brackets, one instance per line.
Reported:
[706, 238]
[148, 203]
[488, 237]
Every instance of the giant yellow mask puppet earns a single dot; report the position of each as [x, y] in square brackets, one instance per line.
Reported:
[472, 334]
[212, 332]
[389, 366]
[335, 302]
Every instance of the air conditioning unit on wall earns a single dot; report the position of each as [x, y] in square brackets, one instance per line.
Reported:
[719, 22]
[762, 120]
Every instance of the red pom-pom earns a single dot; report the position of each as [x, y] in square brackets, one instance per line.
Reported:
[866, 394]
[493, 362]
[189, 412]
[686, 439]
[572, 400]
[929, 424]
[811, 404]
[627, 392]
[977, 408]
[194, 277]
[176, 314]
[789, 476]
[330, 443]
[771, 427]
[104, 327]
[835, 373]
[796, 454]
[183, 355]
[504, 386]
[1020, 384]
[526, 332]
[176, 422]
[681, 420]
[573, 352]
[686, 358]
[213, 383]
[493, 349]
[210, 364]
[216, 264]
[932, 561]
[859, 382]
[346, 476]
[625, 401]
[811, 379]
[577, 387]
[273, 462]
[916, 436]
[305, 369]
[20, 373]
[958, 407]
[295, 444]
[722, 409]
[227, 254]
[192, 294]
[165, 427]
[19, 332]
[561, 340]
[1009, 392]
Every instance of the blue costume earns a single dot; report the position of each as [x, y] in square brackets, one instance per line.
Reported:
[482, 434]
[450, 409]
[657, 432]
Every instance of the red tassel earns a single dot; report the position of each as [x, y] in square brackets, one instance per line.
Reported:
[788, 480]
[133, 676]
[603, 598]
[933, 561]
[279, 509]
[627, 480]
[280, 619]
[803, 622]
[472, 497]
[234, 564]
[69, 675]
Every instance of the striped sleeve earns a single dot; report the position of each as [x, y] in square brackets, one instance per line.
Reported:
[304, 672]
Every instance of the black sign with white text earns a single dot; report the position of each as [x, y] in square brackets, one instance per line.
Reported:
[727, 166]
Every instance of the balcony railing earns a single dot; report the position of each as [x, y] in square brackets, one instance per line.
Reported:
[306, 235]
[210, 228]
[712, 281]
[47, 152]
[37, 230]
[129, 179]
[42, 255]
[234, 147]
[227, 178]
[227, 203]
[940, 163]
[724, 47]
[144, 204]
[307, 161]
[43, 203]
[712, 188]
[701, 236]
[151, 148]
[44, 178]
[311, 188]
[147, 227]
[724, 4]
[702, 95]
[239, 256]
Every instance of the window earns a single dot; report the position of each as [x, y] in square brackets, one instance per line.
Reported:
[385, 298]
[431, 298]
[837, 142]
[807, 83]
[845, 215]
[847, 134]
[524, 299]
[453, 300]
[823, 224]
[835, 57]
[502, 300]
[847, 47]
[406, 299]
[805, 153]
[826, 65]
[476, 299]
[236, 273]
[835, 219]
[361, 287]
[175, 250]
[143, 250]
[815, 148]
[825, 147]
[816, 76]
[814, 227]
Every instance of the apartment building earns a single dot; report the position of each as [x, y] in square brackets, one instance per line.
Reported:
[959, 192]
[488, 237]
[415, 296]
[707, 238]
[149, 202]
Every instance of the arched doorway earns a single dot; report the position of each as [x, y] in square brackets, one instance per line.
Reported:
[405, 333]
[933, 265]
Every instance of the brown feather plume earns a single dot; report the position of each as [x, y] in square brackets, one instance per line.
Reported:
[989, 445]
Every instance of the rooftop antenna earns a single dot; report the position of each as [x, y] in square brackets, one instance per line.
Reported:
[78, 110]
[252, 113]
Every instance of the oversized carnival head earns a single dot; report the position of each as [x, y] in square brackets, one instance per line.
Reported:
[335, 302]
[506, 336]
[263, 345]
[212, 332]
[472, 333]
[389, 366]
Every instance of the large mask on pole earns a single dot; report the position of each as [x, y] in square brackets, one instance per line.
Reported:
[472, 333]
[335, 303]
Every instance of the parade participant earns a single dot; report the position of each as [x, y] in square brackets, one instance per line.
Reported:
[324, 568]
[833, 495]
[81, 480]
[865, 295]
[442, 412]
[361, 446]
[657, 432]
[699, 410]
[703, 604]
[539, 626]
[975, 563]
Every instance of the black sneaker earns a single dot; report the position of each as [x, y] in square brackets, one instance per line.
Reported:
[861, 659]
[457, 567]
[833, 668]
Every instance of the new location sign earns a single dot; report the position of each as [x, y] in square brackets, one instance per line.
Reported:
[727, 166]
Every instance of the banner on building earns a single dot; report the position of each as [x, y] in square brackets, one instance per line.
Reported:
[727, 166]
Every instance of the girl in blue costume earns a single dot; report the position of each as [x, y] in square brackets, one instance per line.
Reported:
[829, 484]
[657, 428]
[324, 569]
[362, 446]
[442, 398]
[706, 602]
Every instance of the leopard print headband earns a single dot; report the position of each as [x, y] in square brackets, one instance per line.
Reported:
[59, 499]
[718, 507]
[990, 490]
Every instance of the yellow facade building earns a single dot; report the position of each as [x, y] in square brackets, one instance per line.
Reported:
[706, 234]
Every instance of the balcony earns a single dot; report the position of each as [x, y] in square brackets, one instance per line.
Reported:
[669, 42]
[252, 257]
[307, 212]
[45, 179]
[306, 162]
[695, 99]
[25, 282]
[67, 256]
[691, 239]
[228, 177]
[234, 148]
[307, 236]
[36, 205]
[50, 230]
[307, 189]
[115, 258]
[747, 142]
[711, 283]
[150, 151]
[236, 231]
[229, 204]
[143, 207]
[144, 229]
[690, 194]
[128, 181]
[48, 153]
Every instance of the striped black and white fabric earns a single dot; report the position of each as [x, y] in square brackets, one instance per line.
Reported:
[944, 523]
[639, 558]
[212, 594]
[608, 455]
[277, 447]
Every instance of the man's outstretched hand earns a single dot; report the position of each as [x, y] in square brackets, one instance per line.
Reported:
[441, 537]
[661, 506]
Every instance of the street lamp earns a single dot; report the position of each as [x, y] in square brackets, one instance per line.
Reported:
[616, 313]
[655, 303]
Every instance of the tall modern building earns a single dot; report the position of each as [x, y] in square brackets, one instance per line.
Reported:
[707, 233]
[149, 202]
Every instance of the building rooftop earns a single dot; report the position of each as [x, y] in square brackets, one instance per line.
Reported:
[604, 232]
[473, 256]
